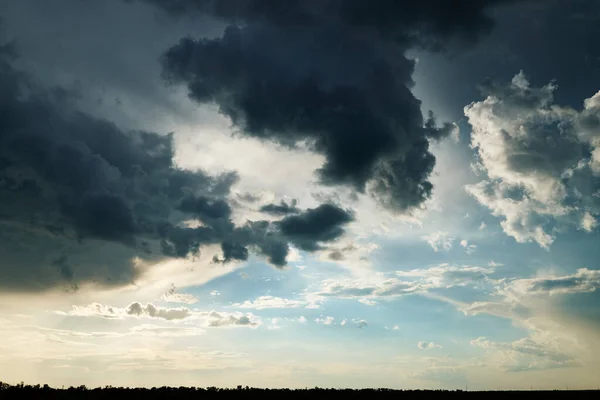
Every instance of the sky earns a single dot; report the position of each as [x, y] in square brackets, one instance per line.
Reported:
[332, 193]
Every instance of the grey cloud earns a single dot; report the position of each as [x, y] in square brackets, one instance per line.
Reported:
[248, 197]
[361, 323]
[282, 208]
[217, 319]
[352, 251]
[205, 208]
[336, 255]
[81, 198]
[315, 225]
[94, 183]
[151, 310]
[330, 73]
[398, 21]
[234, 251]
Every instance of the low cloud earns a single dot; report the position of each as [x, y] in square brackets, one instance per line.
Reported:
[424, 345]
[217, 319]
[211, 319]
[534, 352]
[151, 310]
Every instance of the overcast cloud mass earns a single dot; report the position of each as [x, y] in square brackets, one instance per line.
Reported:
[418, 181]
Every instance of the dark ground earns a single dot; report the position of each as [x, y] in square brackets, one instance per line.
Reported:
[22, 391]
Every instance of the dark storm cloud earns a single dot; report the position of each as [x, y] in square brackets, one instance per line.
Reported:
[205, 208]
[330, 73]
[315, 225]
[282, 208]
[336, 256]
[390, 18]
[80, 198]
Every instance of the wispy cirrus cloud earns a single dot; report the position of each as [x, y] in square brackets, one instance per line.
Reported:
[265, 302]
[442, 276]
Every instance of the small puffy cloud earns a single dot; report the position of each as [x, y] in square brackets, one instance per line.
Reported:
[439, 241]
[325, 320]
[224, 319]
[541, 160]
[588, 222]
[424, 345]
[361, 323]
[215, 293]
[274, 324]
[151, 310]
[469, 247]
[302, 319]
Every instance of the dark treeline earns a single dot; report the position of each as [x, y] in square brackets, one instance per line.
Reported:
[23, 391]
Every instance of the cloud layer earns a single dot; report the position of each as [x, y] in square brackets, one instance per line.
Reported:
[213, 319]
